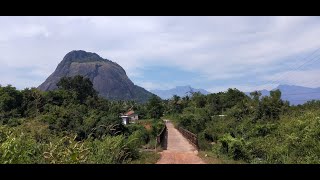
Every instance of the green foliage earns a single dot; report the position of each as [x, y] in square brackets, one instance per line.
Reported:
[113, 150]
[141, 133]
[157, 126]
[174, 105]
[240, 110]
[198, 99]
[70, 125]
[234, 147]
[204, 141]
[270, 107]
[17, 148]
[66, 151]
[82, 87]
[33, 102]
[73, 125]
[10, 103]
[155, 107]
[253, 129]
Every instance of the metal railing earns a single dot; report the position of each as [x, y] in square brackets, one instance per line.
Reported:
[161, 137]
[192, 138]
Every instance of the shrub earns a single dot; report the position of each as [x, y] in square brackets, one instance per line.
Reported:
[66, 151]
[18, 148]
[140, 132]
[111, 150]
[234, 147]
[204, 141]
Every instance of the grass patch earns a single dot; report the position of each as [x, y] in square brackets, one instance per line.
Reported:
[147, 158]
[213, 158]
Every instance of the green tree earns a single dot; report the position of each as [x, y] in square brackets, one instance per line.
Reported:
[155, 107]
[174, 105]
[10, 102]
[33, 102]
[270, 107]
[255, 95]
[82, 87]
[198, 99]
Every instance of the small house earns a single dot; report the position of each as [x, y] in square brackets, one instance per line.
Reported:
[129, 117]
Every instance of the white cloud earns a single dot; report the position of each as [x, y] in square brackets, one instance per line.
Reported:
[219, 48]
[149, 85]
[152, 85]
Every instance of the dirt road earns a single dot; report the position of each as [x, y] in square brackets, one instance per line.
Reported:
[179, 150]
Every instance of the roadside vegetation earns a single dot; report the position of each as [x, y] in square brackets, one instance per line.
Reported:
[249, 129]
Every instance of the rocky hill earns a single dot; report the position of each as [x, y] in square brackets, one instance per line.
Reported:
[108, 78]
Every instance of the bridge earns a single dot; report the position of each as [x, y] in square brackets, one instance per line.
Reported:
[180, 146]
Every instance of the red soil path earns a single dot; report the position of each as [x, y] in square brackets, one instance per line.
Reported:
[179, 150]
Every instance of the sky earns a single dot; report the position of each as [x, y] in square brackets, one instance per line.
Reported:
[213, 53]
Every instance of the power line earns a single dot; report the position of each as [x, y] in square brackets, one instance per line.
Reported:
[314, 82]
[300, 93]
[278, 78]
[292, 67]
[283, 76]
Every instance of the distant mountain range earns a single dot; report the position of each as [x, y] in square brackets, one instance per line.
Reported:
[179, 91]
[295, 94]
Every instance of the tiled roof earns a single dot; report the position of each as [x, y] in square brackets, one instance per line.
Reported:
[129, 113]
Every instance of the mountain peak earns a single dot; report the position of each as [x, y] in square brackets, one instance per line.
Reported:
[81, 56]
[185, 87]
[286, 85]
[293, 88]
[295, 94]
[178, 90]
[108, 78]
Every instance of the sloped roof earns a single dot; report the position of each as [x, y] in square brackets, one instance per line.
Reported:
[129, 113]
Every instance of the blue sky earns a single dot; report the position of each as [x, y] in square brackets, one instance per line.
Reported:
[213, 53]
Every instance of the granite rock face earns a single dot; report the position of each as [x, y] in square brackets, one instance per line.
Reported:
[108, 78]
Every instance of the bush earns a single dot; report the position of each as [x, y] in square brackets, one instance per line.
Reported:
[156, 127]
[66, 151]
[204, 141]
[234, 147]
[112, 150]
[18, 148]
[140, 132]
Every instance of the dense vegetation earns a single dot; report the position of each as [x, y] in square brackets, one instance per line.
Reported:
[253, 129]
[71, 125]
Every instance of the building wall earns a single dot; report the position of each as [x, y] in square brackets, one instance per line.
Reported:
[134, 117]
[125, 120]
